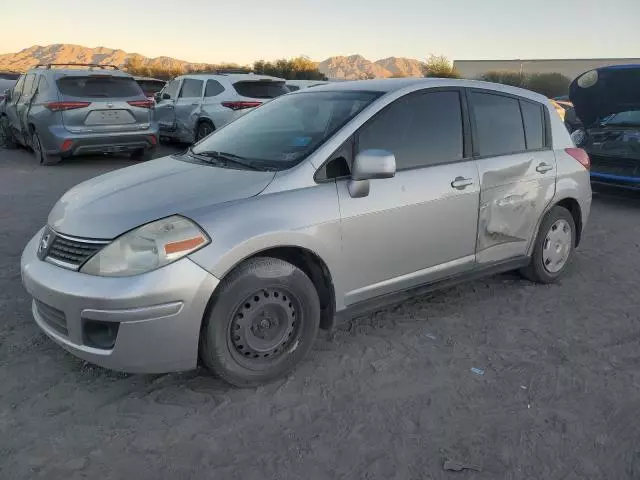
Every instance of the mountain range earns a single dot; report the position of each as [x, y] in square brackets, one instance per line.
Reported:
[340, 67]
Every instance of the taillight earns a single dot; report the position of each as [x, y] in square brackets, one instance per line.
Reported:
[241, 105]
[580, 155]
[141, 103]
[60, 106]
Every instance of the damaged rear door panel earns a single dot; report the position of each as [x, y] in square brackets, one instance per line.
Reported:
[517, 169]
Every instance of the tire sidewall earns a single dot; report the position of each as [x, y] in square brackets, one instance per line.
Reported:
[216, 348]
[555, 214]
[201, 125]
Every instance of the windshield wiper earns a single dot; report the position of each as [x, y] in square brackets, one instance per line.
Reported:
[228, 159]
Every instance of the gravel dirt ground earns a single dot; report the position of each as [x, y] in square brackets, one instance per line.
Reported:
[389, 396]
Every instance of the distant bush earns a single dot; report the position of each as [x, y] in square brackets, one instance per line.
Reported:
[299, 68]
[549, 84]
[514, 79]
[439, 66]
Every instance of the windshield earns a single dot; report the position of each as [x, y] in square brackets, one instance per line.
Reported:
[623, 118]
[282, 132]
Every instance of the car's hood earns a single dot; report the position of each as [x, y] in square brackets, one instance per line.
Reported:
[604, 91]
[111, 204]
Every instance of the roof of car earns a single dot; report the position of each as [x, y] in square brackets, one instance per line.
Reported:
[233, 76]
[62, 72]
[149, 79]
[388, 85]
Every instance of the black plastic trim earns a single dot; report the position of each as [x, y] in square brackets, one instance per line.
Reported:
[383, 301]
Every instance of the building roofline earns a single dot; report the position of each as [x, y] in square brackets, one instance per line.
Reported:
[549, 59]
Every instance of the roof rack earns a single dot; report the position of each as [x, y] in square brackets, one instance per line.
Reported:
[90, 65]
[222, 72]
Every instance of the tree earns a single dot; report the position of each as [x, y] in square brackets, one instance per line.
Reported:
[439, 66]
[299, 68]
[514, 79]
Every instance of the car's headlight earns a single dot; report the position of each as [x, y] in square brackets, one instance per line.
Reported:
[148, 247]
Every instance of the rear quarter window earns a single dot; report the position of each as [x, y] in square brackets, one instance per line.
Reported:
[98, 87]
[533, 119]
[258, 89]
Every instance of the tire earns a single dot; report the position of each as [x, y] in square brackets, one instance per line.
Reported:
[204, 128]
[143, 155]
[42, 157]
[263, 321]
[6, 135]
[553, 248]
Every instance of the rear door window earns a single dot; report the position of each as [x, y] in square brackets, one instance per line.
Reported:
[533, 124]
[498, 124]
[191, 88]
[98, 86]
[260, 89]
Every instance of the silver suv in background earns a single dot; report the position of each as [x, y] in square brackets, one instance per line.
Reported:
[62, 110]
[190, 107]
[317, 206]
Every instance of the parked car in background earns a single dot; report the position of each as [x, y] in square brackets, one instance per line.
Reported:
[62, 110]
[7, 81]
[315, 207]
[607, 100]
[150, 86]
[294, 85]
[192, 106]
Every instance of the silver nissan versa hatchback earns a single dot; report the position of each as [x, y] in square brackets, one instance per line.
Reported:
[314, 207]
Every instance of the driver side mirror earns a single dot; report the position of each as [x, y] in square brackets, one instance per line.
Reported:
[370, 165]
[7, 94]
[166, 96]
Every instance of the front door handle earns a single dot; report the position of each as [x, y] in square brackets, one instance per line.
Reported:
[461, 183]
[543, 167]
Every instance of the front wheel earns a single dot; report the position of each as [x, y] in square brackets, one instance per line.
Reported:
[553, 248]
[263, 322]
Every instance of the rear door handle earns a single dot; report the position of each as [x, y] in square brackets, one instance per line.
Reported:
[461, 183]
[543, 167]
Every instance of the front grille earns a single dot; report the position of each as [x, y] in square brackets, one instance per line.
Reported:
[73, 252]
[52, 317]
[615, 166]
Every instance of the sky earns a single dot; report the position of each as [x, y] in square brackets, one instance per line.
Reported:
[246, 30]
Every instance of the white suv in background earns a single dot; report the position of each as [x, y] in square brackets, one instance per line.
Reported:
[192, 106]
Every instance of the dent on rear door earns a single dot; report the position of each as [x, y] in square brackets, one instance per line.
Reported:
[512, 199]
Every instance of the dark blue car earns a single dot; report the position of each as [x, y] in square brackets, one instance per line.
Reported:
[607, 100]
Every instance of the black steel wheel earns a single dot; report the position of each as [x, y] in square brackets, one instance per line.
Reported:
[262, 323]
[204, 129]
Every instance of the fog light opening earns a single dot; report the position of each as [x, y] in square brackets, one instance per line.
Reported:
[100, 334]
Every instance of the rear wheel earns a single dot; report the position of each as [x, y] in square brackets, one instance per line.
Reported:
[143, 154]
[263, 322]
[204, 128]
[42, 157]
[6, 135]
[554, 247]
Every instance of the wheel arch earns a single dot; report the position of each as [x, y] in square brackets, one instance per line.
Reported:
[315, 268]
[574, 208]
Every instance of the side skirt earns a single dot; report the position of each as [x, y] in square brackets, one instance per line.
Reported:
[383, 301]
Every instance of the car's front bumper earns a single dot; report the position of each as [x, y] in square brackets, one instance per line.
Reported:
[159, 313]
